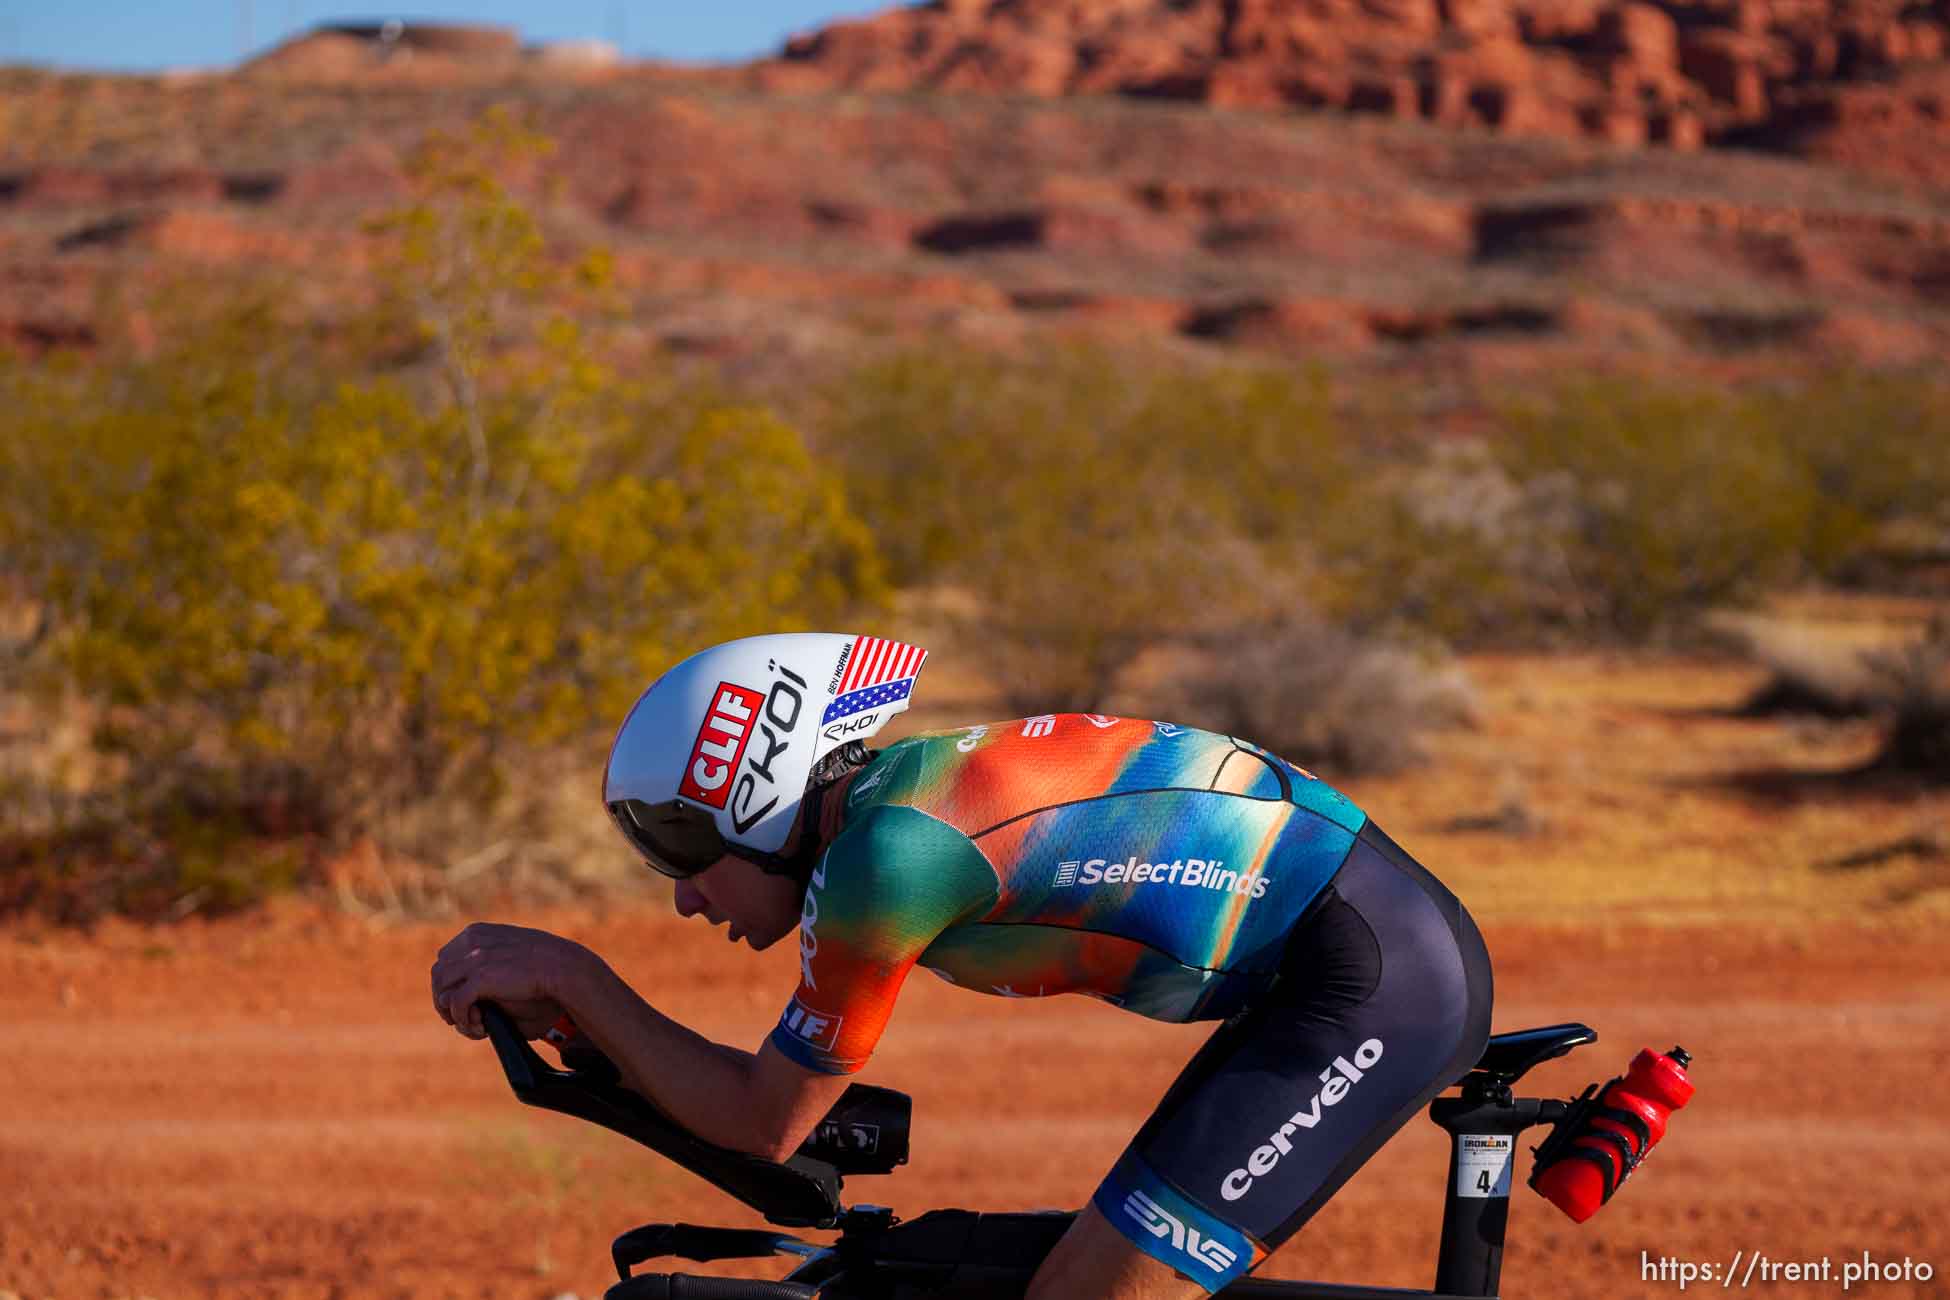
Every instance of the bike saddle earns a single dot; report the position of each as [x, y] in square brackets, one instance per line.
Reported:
[1507, 1057]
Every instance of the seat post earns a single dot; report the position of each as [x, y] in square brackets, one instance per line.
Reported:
[1482, 1125]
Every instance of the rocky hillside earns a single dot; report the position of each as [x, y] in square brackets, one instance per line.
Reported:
[1861, 79]
[779, 217]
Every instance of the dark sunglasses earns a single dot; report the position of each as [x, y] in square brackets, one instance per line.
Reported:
[674, 837]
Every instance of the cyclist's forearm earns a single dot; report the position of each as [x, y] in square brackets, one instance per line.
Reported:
[703, 1085]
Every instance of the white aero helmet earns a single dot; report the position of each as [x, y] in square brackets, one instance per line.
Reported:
[717, 754]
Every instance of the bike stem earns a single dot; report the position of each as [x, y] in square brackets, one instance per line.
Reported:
[1482, 1125]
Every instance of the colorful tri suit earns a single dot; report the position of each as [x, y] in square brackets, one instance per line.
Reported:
[1154, 866]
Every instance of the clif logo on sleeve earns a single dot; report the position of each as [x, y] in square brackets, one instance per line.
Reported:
[815, 1027]
[720, 744]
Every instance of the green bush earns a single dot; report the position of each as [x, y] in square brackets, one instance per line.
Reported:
[1608, 509]
[1087, 507]
[1877, 447]
[303, 600]
[1681, 500]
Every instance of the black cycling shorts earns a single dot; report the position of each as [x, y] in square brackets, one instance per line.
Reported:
[1382, 1001]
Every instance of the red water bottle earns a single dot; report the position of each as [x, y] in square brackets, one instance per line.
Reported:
[1601, 1141]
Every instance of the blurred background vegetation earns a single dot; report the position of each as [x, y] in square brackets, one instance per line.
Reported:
[286, 594]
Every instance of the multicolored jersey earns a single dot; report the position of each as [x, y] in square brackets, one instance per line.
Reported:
[1154, 866]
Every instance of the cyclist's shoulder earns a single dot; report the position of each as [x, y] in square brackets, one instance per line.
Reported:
[895, 860]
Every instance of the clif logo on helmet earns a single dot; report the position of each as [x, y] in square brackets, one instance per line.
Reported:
[720, 744]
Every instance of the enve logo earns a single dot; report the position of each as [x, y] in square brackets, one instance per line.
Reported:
[1161, 1223]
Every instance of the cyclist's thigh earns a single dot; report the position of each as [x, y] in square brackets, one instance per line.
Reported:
[1384, 1001]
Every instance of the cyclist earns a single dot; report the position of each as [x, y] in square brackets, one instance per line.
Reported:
[1174, 872]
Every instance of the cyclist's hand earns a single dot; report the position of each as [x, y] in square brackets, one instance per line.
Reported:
[519, 968]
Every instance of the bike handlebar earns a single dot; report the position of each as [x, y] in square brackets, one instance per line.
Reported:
[802, 1192]
[689, 1286]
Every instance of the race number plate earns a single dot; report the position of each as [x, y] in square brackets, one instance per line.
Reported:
[1483, 1163]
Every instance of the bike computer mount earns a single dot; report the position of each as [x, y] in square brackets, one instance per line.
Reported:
[864, 1133]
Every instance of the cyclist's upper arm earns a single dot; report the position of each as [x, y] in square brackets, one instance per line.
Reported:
[881, 893]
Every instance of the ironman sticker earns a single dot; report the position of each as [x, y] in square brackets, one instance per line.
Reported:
[1483, 1164]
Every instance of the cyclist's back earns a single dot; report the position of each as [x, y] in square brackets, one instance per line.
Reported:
[1155, 866]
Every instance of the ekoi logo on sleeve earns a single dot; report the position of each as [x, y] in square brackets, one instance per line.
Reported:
[814, 1028]
[808, 918]
[1162, 1223]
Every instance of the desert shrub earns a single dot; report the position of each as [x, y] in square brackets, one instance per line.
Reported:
[1316, 693]
[1088, 507]
[328, 607]
[1676, 501]
[1449, 545]
[1617, 511]
[1808, 673]
[1877, 447]
[308, 600]
[1917, 679]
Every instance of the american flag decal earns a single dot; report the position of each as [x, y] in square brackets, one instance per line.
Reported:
[878, 672]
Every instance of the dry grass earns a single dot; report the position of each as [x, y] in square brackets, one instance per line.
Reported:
[1812, 669]
[1638, 769]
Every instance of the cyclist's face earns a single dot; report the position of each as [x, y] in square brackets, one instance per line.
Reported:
[757, 906]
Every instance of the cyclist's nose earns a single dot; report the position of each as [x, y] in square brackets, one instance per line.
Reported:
[689, 899]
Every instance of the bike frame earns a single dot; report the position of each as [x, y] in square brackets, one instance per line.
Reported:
[963, 1254]
[1469, 1260]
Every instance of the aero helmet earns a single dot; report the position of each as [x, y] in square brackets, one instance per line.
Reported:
[718, 753]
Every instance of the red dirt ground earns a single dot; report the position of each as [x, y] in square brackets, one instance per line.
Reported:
[268, 1107]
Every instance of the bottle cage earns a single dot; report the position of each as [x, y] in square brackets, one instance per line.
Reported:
[1564, 1142]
